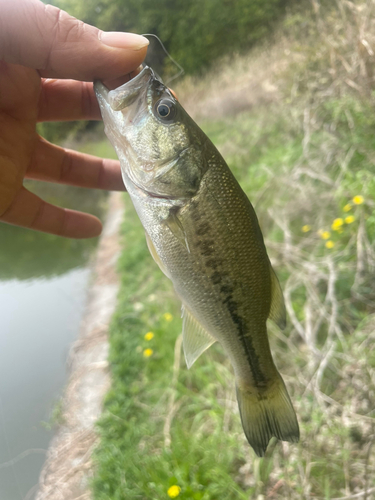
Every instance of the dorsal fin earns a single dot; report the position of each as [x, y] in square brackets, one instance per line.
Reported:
[195, 338]
[277, 310]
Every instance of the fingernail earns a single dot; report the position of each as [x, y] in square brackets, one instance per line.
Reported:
[121, 40]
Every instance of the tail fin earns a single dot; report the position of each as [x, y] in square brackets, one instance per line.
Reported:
[265, 413]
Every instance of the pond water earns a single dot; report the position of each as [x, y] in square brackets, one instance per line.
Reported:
[43, 282]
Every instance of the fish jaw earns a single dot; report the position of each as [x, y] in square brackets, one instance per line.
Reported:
[120, 108]
[113, 120]
[123, 96]
[125, 113]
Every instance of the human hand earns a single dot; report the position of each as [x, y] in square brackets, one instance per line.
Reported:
[47, 59]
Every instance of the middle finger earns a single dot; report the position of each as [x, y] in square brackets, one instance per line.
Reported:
[55, 164]
[67, 100]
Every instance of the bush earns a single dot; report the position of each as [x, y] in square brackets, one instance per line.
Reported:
[194, 32]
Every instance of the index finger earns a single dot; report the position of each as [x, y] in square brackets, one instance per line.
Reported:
[70, 100]
[56, 44]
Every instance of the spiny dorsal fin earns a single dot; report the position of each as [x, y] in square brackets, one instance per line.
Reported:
[155, 255]
[194, 337]
[277, 310]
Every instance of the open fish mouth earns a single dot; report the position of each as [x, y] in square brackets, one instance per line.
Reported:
[115, 105]
[123, 96]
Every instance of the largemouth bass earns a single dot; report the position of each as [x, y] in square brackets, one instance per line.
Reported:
[203, 233]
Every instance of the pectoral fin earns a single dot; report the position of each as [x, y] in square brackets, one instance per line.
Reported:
[176, 227]
[155, 256]
[194, 337]
[277, 310]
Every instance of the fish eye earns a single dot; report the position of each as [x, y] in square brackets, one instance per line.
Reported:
[165, 110]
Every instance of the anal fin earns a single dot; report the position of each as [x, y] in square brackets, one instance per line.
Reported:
[194, 337]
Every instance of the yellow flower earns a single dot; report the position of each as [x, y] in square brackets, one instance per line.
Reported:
[324, 234]
[336, 224]
[149, 336]
[358, 200]
[174, 491]
[167, 316]
[306, 228]
[349, 219]
[347, 207]
[330, 244]
[148, 352]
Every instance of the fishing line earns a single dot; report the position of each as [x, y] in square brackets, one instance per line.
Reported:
[181, 72]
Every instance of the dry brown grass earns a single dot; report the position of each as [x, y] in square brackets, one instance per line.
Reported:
[238, 84]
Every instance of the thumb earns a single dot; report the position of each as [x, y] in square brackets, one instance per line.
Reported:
[58, 45]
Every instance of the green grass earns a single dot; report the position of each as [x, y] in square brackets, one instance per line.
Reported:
[101, 147]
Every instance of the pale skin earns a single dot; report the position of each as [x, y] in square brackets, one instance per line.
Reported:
[48, 61]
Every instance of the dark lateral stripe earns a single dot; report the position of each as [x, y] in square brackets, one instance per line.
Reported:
[217, 278]
[246, 341]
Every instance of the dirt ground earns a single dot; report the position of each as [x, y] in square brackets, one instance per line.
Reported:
[68, 467]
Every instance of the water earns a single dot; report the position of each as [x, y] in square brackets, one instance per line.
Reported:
[43, 284]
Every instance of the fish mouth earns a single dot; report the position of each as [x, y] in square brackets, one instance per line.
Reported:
[126, 94]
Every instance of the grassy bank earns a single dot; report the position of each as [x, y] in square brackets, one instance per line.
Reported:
[303, 151]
